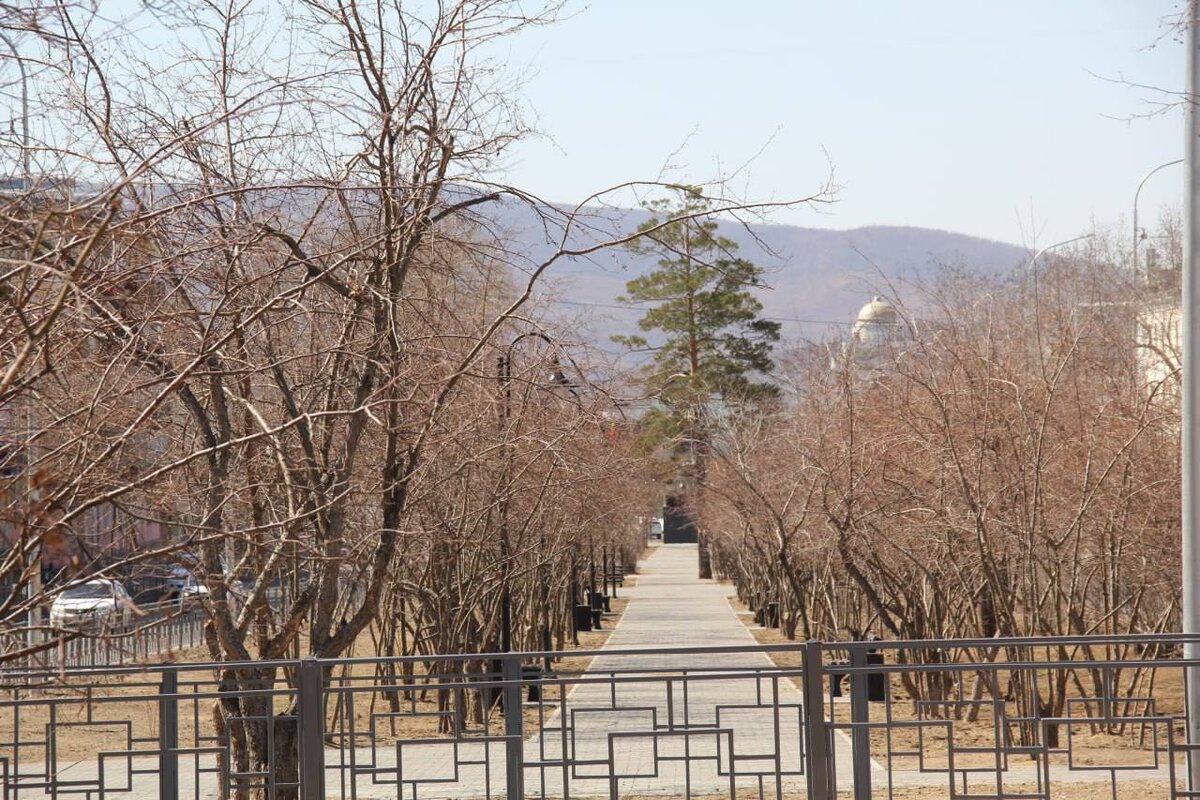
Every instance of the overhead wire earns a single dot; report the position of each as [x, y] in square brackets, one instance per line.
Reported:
[632, 307]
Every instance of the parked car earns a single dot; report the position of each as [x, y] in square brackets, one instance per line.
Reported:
[98, 603]
[184, 586]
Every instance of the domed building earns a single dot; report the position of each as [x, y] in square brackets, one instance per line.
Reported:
[874, 336]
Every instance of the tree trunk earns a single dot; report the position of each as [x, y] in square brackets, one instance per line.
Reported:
[244, 714]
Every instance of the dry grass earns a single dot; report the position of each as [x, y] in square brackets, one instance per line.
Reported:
[899, 745]
[120, 711]
[1126, 790]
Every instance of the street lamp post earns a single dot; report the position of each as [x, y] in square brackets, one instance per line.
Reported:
[1136, 236]
[574, 580]
[604, 570]
[504, 376]
[34, 589]
[1049, 247]
[25, 152]
[592, 574]
[1190, 433]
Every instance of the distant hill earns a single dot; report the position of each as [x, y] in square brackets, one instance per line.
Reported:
[819, 278]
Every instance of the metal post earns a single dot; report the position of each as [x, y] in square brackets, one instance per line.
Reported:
[616, 558]
[1190, 432]
[574, 596]
[1033, 261]
[547, 644]
[860, 713]
[592, 573]
[311, 729]
[1136, 194]
[168, 735]
[25, 150]
[816, 731]
[514, 756]
[604, 568]
[504, 374]
[506, 620]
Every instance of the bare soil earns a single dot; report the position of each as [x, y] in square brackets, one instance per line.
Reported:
[908, 747]
[121, 712]
[1126, 790]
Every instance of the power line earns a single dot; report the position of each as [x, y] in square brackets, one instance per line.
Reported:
[620, 307]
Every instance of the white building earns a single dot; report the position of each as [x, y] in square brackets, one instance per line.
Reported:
[1160, 345]
[875, 337]
[1159, 324]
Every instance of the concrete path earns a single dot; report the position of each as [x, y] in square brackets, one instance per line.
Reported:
[672, 727]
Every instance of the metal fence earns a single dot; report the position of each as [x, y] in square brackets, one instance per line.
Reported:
[162, 628]
[990, 718]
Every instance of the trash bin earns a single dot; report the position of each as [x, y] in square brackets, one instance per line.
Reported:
[771, 616]
[836, 678]
[583, 617]
[876, 680]
[596, 614]
[491, 694]
[531, 674]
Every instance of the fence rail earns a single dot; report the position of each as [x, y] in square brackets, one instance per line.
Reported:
[960, 718]
[162, 628]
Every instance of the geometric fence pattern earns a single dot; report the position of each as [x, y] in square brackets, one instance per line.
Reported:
[982, 719]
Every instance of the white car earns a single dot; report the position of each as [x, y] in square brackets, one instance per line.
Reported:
[98, 603]
[185, 586]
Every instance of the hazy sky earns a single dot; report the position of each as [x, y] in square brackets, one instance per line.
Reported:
[1003, 119]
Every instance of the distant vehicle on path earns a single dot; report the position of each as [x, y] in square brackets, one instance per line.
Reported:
[655, 532]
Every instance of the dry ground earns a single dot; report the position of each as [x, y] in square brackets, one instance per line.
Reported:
[1131, 745]
[1126, 790]
[120, 708]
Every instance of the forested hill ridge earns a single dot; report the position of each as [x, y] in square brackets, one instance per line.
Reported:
[818, 276]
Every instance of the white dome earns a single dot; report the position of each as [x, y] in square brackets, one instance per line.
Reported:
[875, 334]
[880, 311]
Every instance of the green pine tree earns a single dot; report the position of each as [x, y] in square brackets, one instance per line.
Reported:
[710, 341]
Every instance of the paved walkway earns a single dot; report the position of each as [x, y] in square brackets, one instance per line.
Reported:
[664, 729]
[672, 727]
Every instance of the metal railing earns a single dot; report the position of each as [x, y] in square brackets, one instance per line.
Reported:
[161, 629]
[980, 718]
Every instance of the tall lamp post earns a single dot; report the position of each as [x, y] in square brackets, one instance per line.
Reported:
[504, 376]
[1049, 247]
[1190, 434]
[25, 153]
[1136, 236]
[35, 582]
